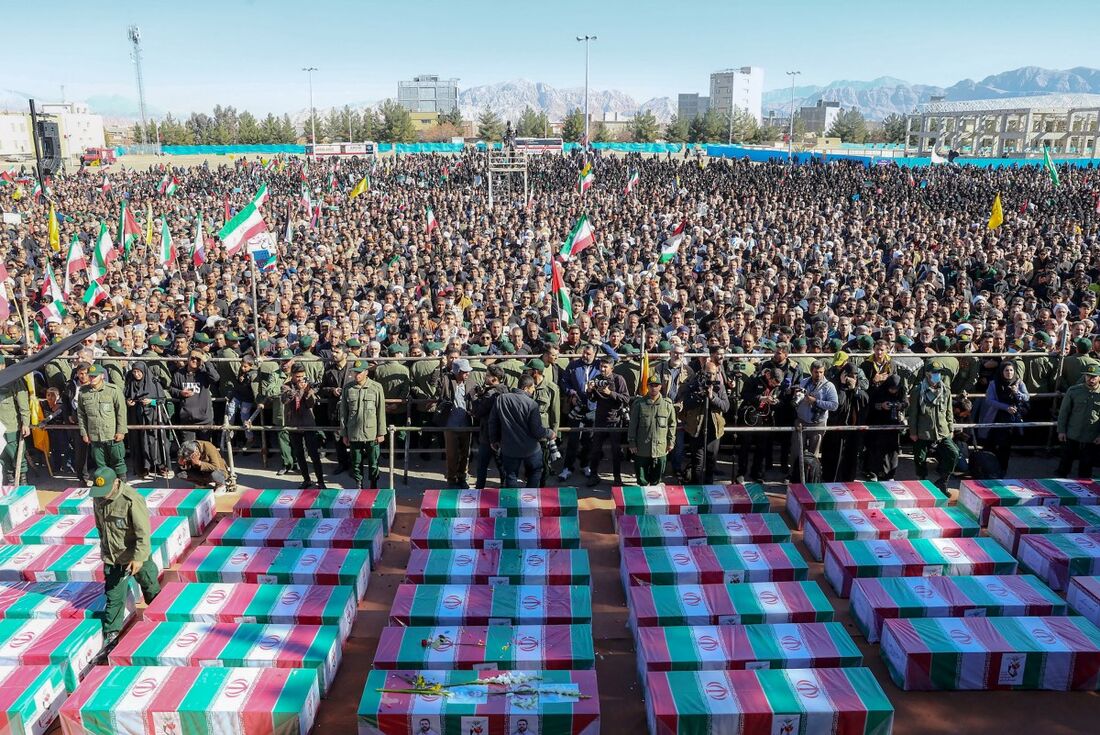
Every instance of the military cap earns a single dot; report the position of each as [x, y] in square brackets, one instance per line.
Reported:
[103, 481]
[115, 346]
[1043, 337]
[654, 379]
[865, 342]
[95, 371]
[397, 349]
[202, 338]
[536, 364]
[360, 365]
[937, 366]
[157, 341]
[354, 343]
[306, 341]
[232, 336]
[1092, 369]
[1083, 344]
[552, 338]
[507, 347]
[475, 349]
[903, 339]
[285, 354]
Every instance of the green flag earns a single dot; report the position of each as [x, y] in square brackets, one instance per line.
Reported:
[1048, 164]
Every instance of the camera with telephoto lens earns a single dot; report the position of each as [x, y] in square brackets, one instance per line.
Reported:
[895, 408]
[598, 384]
[553, 454]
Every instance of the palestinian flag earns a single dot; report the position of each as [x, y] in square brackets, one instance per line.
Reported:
[106, 186]
[344, 503]
[6, 178]
[561, 292]
[727, 564]
[580, 237]
[523, 502]
[450, 604]
[247, 224]
[671, 245]
[874, 601]
[168, 185]
[871, 524]
[586, 178]
[748, 603]
[632, 180]
[508, 566]
[198, 247]
[1056, 557]
[506, 647]
[167, 255]
[1048, 164]
[430, 222]
[1008, 525]
[194, 504]
[712, 529]
[269, 565]
[315, 216]
[129, 234]
[72, 645]
[94, 294]
[552, 532]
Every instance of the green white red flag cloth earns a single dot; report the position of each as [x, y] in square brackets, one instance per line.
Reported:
[876, 600]
[151, 700]
[562, 299]
[1083, 596]
[272, 565]
[552, 703]
[29, 698]
[225, 602]
[194, 504]
[69, 643]
[477, 647]
[671, 246]
[1056, 557]
[586, 178]
[314, 648]
[55, 600]
[551, 532]
[17, 504]
[704, 529]
[344, 503]
[313, 533]
[1007, 524]
[508, 566]
[128, 233]
[499, 502]
[782, 702]
[247, 224]
[978, 496]
[736, 647]
[169, 534]
[50, 563]
[1054, 653]
[103, 254]
[520, 604]
[872, 495]
[580, 238]
[884, 523]
[728, 604]
[689, 499]
[846, 561]
[727, 564]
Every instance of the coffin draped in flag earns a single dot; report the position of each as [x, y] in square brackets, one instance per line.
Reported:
[1083, 596]
[272, 565]
[702, 530]
[456, 604]
[313, 533]
[886, 523]
[194, 504]
[50, 563]
[876, 600]
[30, 697]
[508, 647]
[494, 567]
[725, 564]
[71, 644]
[551, 532]
[345, 503]
[979, 496]
[728, 604]
[1056, 557]
[152, 700]
[17, 504]
[57, 600]
[862, 495]
[688, 499]
[499, 502]
[168, 534]
[226, 602]
[247, 224]
[1007, 524]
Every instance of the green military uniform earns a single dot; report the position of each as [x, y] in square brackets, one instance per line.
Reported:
[1079, 422]
[548, 397]
[314, 365]
[122, 520]
[395, 380]
[651, 435]
[1073, 367]
[58, 374]
[1038, 373]
[159, 368]
[116, 369]
[269, 391]
[15, 414]
[101, 414]
[227, 371]
[513, 369]
[631, 371]
[932, 421]
[362, 421]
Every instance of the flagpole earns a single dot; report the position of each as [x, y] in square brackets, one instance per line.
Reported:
[23, 313]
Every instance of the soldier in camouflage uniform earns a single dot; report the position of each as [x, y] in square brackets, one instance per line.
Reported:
[548, 397]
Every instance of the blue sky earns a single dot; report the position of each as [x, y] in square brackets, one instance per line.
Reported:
[249, 53]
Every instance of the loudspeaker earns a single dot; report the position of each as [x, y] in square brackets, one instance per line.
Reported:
[49, 140]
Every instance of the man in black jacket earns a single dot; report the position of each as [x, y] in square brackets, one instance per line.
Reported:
[516, 431]
[483, 398]
[705, 403]
[337, 374]
[612, 398]
[191, 387]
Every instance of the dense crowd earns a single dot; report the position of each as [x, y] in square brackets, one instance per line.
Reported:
[860, 272]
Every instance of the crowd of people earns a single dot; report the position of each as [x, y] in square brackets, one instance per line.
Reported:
[800, 298]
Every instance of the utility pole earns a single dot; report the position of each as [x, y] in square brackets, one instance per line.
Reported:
[730, 141]
[135, 38]
[586, 40]
[312, 113]
[790, 136]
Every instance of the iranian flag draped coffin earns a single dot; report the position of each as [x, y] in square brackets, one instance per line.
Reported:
[886, 523]
[634, 500]
[729, 604]
[550, 702]
[312, 647]
[43, 563]
[979, 496]
[53, 600]
[1059, 653]
[708, 528]
[1008, 523]
[71, 644]
[222, 602]
[17, 504]
[186, 700]
[920, 557]
[558, 647]
[314, 533]
[345, 503]
[274, 565]
[730, 564]
[505, 502]
[168, 533]
[801, 499]
[30, 697]
[1083, 595]
[550, 532]
[780, 702]
[508, 566]
[194, 504]
[1058, 556]
[876, 600]
[767, 646]
[519, 604]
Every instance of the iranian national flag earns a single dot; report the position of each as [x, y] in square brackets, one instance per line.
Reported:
[49, 285]
[103, 254]
[330, 182]
[40, 191]
[1048, 164]
[561, 292]
[168, 185]
[586, 178]
[129, 234]
[305, 198]
[632, 181]
[54, 311]
[289, 236]
[261, 197]
[6, 177]
[268, 164]
[198, 249]
[581, 237]
[430, 221]
[94, 294]
[671, 245]
[106, 186]
[74, 263]
[167, 246]
[247, 224]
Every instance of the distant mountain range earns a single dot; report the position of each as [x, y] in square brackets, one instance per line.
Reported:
[508, 99]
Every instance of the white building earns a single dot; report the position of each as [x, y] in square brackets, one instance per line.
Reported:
[76, 125]
[428, 93]
[15, 136]
[741, 88]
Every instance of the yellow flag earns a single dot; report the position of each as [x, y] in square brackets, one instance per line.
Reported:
[997, 216]
[149, 223]
[54, 231]
[643, 379]
[39, 437]
[17, 194]
[360, 188]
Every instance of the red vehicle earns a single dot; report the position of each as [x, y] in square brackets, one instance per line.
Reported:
[98, 156]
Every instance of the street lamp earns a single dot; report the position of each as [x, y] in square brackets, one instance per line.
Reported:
[312, 114]
[790, 136]
[586, 39]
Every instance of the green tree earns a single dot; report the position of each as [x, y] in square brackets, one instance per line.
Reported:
[893, 128]
[396, 125]
[572, 128]
[643, 129]
[313, 122]
[269, 129]
[336, 127]
[697, 130]
[530, 124]
[369, 126]
[677, 130]
[287, 132]
[201, 127]
[489, 125]
[248, 129]
[849, 126]
[454, 117]
[767, 134]
[600, 133]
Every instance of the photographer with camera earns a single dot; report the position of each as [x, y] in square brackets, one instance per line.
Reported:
[299, 399]
[705, 403]
[582, 410]
[738, 374]
[609, 392]
[813, 398]
[759, 400]
[887, 405]
[840, 450]
[548, 396]
[784, 411]
[482, 399]
[674, 372]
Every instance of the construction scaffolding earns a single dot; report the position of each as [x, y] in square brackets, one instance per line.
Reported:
[507, 163]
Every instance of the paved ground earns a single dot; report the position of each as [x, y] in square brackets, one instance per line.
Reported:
[974, 713]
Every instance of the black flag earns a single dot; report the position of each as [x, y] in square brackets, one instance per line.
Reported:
[39, 359]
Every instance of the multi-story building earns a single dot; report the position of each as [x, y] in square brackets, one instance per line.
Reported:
[819, 118]
[428, 93]
[741, 88]
[77, 127]
[690, 105]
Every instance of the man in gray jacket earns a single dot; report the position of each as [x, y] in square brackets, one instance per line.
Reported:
[516, 431]
[814, 397]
